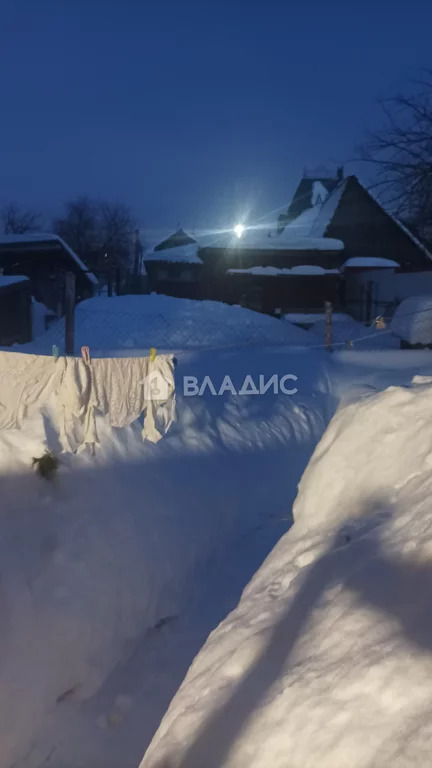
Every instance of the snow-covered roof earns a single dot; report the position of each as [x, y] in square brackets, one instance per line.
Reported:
[11, 279]
[314, 221]
[44, 237]
[319, 192]
[370, 262]
[328, 210]
[186, 254]
[302, 225]
[303, 269]
[271, 240]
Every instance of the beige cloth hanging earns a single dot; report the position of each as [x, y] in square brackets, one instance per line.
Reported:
[120, 388]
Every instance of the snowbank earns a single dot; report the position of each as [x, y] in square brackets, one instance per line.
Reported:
[39, 315]
[167, 323]
[412, 320]
[327, 660]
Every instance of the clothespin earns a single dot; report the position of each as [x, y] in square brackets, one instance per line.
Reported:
[349, 344]
[152, 354]
[380, 323]
[85, 353]
[55, 352]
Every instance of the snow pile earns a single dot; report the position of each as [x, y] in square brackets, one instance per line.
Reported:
[327, 660]
[167, 323]
[412, 320]
[39, 316]
[346, 329]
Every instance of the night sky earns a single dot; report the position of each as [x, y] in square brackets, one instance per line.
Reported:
[193, 112]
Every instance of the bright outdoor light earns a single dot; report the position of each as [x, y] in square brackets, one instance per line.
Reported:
[239, 229]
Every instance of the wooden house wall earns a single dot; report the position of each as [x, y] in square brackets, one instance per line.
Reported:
[218, 260]
[367, 230]
[285, 292]
[15, 313]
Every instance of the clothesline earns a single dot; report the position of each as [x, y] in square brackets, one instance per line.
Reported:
[119, 388]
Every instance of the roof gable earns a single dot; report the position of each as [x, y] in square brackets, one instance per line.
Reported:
[352, 214]
[175, 240]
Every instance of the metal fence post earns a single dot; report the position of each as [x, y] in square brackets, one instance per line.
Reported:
[328, 324]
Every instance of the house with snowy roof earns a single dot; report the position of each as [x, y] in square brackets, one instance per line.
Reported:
[262, 269]
[44, 258]
[335, 242]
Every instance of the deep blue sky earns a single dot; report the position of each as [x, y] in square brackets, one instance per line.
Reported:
[193, 111]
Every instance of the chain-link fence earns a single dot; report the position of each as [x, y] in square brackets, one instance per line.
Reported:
[200, 327]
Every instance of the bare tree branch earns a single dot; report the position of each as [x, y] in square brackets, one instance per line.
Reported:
[100, 231]
[401, 154]
[17, 221]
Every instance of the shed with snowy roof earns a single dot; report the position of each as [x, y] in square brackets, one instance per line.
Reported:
[45, 258]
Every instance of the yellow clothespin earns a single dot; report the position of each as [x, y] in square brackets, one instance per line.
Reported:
[152, 354]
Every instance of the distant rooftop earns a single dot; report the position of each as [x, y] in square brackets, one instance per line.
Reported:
[175, 240]
[46, 237]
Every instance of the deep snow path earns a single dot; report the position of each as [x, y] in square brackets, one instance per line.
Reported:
[227, 475]
[113, 729]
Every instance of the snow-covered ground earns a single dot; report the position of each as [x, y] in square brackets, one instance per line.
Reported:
[122, 551]
[113, 577]
[328, 658]
[137, 323]
[349, 332]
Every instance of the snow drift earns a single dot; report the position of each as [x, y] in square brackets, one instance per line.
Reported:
[327, 660]
[412, 320]
[167, 323]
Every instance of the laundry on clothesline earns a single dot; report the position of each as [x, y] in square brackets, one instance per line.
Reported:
[81, 388]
